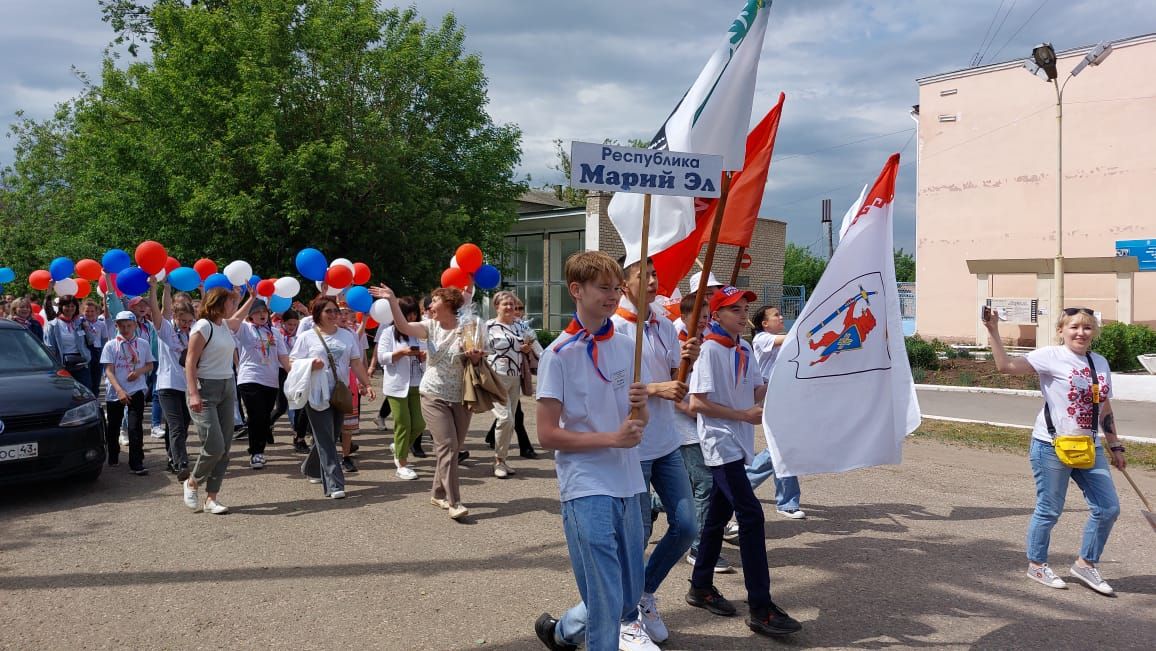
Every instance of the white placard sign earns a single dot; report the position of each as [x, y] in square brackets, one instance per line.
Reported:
[644, 171]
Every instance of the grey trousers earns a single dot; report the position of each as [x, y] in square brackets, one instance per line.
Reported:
[215, 429]
[176, 410]
[324, 461]
[448, 423]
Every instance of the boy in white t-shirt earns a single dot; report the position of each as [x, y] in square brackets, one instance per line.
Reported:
[585, 399]
[726, 392]
[127, 361]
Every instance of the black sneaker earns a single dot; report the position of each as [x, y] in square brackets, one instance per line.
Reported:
[348, 466]
[462, 456]
[710, 599]
[544, 628]
[139, 471]
[528, 454]
[353, 448]
[182, 473]
[773, 621]
[416, 451]
[300, 446]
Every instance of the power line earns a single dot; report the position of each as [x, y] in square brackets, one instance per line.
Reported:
[998, 30]
[846, 144]
[1020, 29]
[975, 57]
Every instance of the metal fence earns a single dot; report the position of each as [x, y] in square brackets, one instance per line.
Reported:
[792, 298]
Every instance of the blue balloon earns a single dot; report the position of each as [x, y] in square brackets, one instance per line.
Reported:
[278, 304]
[132, 281]
[358, 299]
[312, 264]
[184, 279]
[254, 279]
[487, 277]
[7, 275]
[61, 268]
[115, 261]
[218, 280]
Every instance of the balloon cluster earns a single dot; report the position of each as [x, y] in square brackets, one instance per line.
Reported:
[343, 276]
[467, 267]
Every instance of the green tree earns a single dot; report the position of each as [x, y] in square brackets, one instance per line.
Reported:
[260, 127]
[801, 267]
[904, 267]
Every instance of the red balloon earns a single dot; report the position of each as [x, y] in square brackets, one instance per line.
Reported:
[101, 287]
[40, 279]
[205, 267]
[266, 287]
[360, 273]
[83, 288]
[338, 277]
[370, 324]
[170, 264]
[456, 278]
[469, 257]
[88, 269]
[151, 257]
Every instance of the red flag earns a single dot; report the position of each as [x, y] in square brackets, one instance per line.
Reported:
[742, 210]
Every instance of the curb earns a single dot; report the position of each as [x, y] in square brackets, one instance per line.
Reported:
[1034, 393]
[1132, 439]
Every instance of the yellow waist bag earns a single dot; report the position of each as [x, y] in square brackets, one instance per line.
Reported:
[1077, 450]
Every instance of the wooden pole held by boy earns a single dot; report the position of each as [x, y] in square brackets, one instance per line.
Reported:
[640, 305]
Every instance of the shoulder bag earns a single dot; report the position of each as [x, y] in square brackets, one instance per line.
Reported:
[341, 398]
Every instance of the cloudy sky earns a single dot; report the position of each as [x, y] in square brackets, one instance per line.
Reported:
[615, 68]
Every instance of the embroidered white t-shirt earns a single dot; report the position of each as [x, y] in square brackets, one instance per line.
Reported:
[1066, 382]
[258, 351]
[125, 355]
[724, 440]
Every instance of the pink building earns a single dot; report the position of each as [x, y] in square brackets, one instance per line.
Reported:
[986, 179]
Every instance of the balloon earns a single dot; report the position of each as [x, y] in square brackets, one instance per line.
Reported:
[238, 272]
[7, 275]
[286, 287]
[101, 287]
[151, 257]
[454, 262]
[488, 277]
[278, 304]
[339, 276]
[66, 287]
[171, 264]
[83, 288]
[455, 278]
[88, 269]
[330, 291]
[342, 262]
[370, 324]
[360, 273]
[205, 268]
[358, 299]
[254, 280]
[40, 279]
[60, 268]
[115, 261]
[311, 264]
[184, 279]
[218, 280]
[469, 257]
[133, 281]
[266, 287]
[381, 312]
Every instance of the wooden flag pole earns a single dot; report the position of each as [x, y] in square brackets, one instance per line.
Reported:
[640, 305]
[704, 277]
[738, 265]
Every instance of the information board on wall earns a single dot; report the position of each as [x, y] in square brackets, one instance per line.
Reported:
[1142, 250]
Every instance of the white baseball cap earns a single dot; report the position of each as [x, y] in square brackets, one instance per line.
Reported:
[125, 315]
[711, 281]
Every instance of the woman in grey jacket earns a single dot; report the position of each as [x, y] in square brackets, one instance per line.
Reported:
[65, 337]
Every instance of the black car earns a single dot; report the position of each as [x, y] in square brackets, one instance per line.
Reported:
[50, 424]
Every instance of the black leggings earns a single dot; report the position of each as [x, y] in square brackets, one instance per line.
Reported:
[259, 401]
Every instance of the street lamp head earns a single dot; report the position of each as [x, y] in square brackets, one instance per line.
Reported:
[1094, 57]
[1045, 57]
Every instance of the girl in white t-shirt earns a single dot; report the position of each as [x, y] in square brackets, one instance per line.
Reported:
[1075, 398]
[402, 360]
[173, 325]
[261, 355]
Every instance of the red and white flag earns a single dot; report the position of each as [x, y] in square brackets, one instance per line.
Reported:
[840, 395]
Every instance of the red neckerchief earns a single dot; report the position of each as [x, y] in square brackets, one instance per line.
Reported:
[580, 333]
[716, 334]
[133, 357]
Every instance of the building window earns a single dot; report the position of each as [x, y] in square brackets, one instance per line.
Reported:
[524, 274]
[562, 246]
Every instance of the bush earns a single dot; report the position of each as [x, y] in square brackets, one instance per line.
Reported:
[546, 337]
[921, 354]
[1120, 343]
[919, 375]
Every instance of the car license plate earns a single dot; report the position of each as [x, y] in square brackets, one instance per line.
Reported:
[22, 451]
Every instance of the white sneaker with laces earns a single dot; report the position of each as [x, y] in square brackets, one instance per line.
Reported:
[215, 507]
[501, 470]
[1046, 576]
[405, 472]
[191, 499]
[257, 461]
[793, 514]
[1091, 577]
[631, 637]
[158, 432]
[730, 534]
[650, 619]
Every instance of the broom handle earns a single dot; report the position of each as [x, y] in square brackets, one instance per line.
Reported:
[1137, 489]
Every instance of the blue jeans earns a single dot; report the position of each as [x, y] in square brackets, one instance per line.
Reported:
[604, 538]
[701, 483]
[1052, 487]
[787, 491]
[669, 478]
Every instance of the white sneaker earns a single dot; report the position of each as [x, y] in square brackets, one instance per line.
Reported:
[123, 440]
[337, 495]
[501, 470]
[793, 514]
[257, 461]
[1046, 576]
[631, 637]
[440, 503]
[191, 499]
[215, 507]
[459, 511]
[650, 619]
[379, 421]
[158, 432]
[405, 472]
[730, 534]
[314, 480]
[392, 450]
[1091, 577]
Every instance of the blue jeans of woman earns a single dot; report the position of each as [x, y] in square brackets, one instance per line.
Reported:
[1052, 488]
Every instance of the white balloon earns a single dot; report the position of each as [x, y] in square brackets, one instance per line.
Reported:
[454, 262]
[238, 272]
[286, 287]
[344, 262]
[331, 291]
[66, 287]
[382, 312]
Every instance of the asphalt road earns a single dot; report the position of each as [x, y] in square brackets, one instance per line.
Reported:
[925, 554]
[1134, 418]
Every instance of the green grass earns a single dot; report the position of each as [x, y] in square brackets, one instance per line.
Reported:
[988, 437]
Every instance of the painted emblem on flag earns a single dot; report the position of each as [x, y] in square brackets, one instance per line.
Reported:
[845, 333]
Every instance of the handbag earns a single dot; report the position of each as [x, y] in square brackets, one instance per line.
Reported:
[341, 398]
[1077, 450]
[529, 368]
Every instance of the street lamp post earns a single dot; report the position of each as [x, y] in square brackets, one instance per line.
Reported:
[1044, 59]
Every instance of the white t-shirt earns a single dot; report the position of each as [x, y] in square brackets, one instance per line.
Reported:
[342, 345]
[661, 352]
[125, 356]
[1066, 382]
[590, 404]
[217, 356]
[406, 372]
[724, 440]
[259, 350]
[170, 373]
[765, 353]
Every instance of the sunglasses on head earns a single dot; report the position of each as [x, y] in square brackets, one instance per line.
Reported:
[1073, 311]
